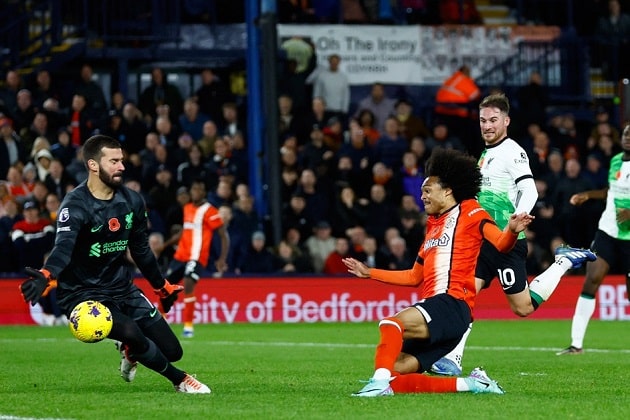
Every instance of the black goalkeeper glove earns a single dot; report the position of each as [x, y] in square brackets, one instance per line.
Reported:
[168, 295]
[39, 283]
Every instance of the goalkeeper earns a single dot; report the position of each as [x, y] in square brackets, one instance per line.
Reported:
[96, 223]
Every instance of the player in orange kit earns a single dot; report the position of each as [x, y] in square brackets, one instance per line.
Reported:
[201, 220]
[413, 339]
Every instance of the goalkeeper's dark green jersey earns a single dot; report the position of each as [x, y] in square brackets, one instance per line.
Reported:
[89, 256]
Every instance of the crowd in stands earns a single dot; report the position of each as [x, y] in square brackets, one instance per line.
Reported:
[350, 173]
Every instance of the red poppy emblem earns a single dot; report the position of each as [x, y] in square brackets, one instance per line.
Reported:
[114, 224]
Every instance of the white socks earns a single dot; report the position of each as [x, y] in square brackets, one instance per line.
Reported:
[583, 311]
[546, 282]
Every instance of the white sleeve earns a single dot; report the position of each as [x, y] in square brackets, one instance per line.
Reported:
[527, 195]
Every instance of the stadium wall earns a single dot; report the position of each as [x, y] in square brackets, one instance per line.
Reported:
[332, 299]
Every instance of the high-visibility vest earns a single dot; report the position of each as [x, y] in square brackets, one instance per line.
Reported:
[455, 94]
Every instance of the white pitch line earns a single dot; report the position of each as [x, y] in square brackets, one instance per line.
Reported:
[331, 345]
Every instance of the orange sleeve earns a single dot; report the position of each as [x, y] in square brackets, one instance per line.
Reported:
[412, 277]
[503, 240]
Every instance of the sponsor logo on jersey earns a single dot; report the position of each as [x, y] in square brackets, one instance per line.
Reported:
[441, 241]
[96, 228]
[97, 249]
[64, 215]
[64, 229]
[113, 224]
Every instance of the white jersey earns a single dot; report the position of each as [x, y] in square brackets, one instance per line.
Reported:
[618, 198]
[502, 166]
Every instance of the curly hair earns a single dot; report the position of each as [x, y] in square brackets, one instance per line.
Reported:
[455, 170]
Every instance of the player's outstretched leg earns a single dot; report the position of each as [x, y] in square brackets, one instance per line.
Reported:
[577, 256]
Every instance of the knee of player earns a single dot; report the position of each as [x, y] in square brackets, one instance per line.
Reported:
[523, 310]
[174, 354]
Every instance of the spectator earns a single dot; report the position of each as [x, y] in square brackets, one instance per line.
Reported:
[333, 266]
[42, 160]
[455, 101]
[291, 260]
[290, 122]
[44, 88]
[37, 128]
[91, 91]
[442, 138]
[367, 123]
[300, 63]
[58, 181]
[612, 33]
[333, 86]
[295, 215]
[381, 106]
[220, 165]
[409, 125]
[595, 171]
[212, 94]
[568, 216]
[33, 238]
[320, 244]
[118, 102]
[258, 259]
[319, 116]
[348, 211]
[391, 147]
[163, 194]
[76, 168]
[555, 170]
[412, 178]
[380, 212]
[9, 260]
[357, 235]
[389, 180]
[51, 207]
[16, 185]
[541, 148]
[372, 256]
[316, 155]
[232, 122]
[191, 121]
[82, 124]
[412, 222]
[160, 92]
[63, 149]
[245, 216]
[133, 128]
[532, 103]
[543, 228]
[316, 194]
[24, 112]
[222, 195]
[399, 258]
[12, 150]
[8, 93]
[192, 168]
[209, 136]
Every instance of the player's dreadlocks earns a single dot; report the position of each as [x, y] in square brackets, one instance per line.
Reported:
[455, 170]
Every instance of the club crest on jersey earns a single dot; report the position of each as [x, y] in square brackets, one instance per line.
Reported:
[113, 224]
[450, 222]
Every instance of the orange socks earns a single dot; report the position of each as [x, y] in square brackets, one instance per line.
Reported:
[390, 344]
[418, 382]
[189, 308]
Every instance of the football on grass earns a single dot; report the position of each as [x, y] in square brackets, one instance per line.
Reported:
[90, 321]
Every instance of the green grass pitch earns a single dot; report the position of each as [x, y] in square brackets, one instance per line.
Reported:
[308, 371]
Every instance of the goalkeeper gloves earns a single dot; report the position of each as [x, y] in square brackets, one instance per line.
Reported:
[168, 294]
[39, 283]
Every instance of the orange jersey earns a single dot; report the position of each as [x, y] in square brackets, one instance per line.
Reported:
[199, 224]
[447, 258]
